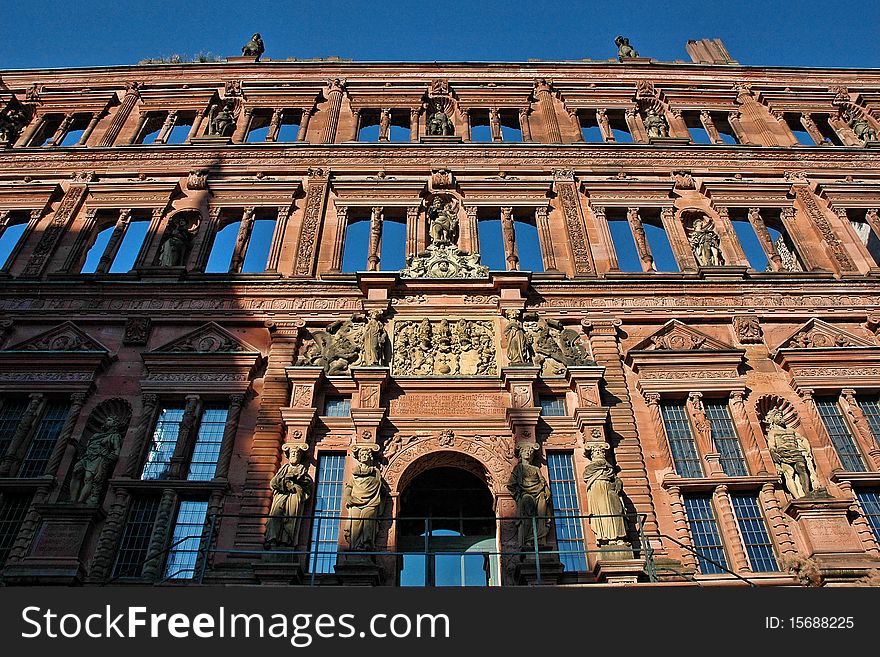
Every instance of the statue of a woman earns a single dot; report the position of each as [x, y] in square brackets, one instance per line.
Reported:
[291, 488]
[96, 462]
[374, 340]
[517, 340]
[655, 124]
[706, 243]
[173, 251]
[532, 495]
[363, 498]
[604, 498]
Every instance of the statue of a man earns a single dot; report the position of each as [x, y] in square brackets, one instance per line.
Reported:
[655, 124]
[375, 337]
[291, 488]
[792, 455]
[624, 50]
[706, 243]
[861, 127]
[518, 352]
[443, 222]
[532, 495]
[96, 462]
[604, 498]
[223, 124]
[254, 47]
[174, 249]
[11, 125]
[363, 498]
[439, 123]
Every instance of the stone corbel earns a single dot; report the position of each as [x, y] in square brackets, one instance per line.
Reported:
[300, 415]
[367, 410]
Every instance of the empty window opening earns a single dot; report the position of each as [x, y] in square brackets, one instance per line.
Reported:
[223, 248]
[619, 127]
[288, 129]
[830, 135]
[99, 246]
[259, 244]
[590, 129]
[528, 245]
[368, 126]
[152, 127]
[392, 253]
[622, 238]
[400, 126]
[749, 241]
[11, 236]
[793, 121]
[258, 129]
[695, 127]
[491, 243]
[862, 228]
[130, 247]
[782, 243]
[724, 129]
[47, 130]
[182, 125]
[510, 127]
[658, 241]
[480, 128]
[357, 244]
[76, 130]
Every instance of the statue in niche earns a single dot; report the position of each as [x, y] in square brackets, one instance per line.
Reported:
[706, 243]
[792, 455]
[177, 242]
[291, 488]
[384, 124]
[363, 499]
[604, 497]
[655, 124]
[96, 462]
[254, 47]
[861, 126]
[11, 125]
[518, 350]
[223, 124]
[337, 347]
[532, 495]
[554, 347]
[374, 337]
[439, 123]
[624, 50]
[443, 222]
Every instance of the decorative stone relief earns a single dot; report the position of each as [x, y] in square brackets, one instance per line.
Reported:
[554, 347]
[345, 343]
[817, 334]
[66, 337]
[447, 347]
[137, 330]
[210, 338]
[748, 329]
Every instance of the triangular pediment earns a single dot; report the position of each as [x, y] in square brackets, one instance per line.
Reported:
[816, 334]
[208, 339]
[66, 337]
[677, 336]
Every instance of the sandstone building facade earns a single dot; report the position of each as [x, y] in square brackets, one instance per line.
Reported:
[323, 322]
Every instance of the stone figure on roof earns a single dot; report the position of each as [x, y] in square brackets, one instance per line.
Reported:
[254, 47]
[624, 50]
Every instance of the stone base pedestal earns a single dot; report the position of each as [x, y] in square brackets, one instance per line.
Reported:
[619, 572]
[56, 554]
[669, 141]
[824, 526]
[723, 272]
[634, 60]
[243, 59]
[358, 570]
[872, 144]
[155, 271]
[279, 569]
[212, 140]
[439, 139]
[527, 570]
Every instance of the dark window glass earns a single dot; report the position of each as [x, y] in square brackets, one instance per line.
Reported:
[136, 535]
[726, 442]
[163, 443]
[569, 531]
[705, 535]
[840, 435]
[681, 440]
[186, 539]
[553, 405]
[45, 437]
[13, 509]
[753, 530]
[328, 505]
[10, 415]
[870, 503]
[870, 407]
[203, 464]
[337, 406]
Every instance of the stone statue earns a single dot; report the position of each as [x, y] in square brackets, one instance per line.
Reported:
[439, 123]
[706, 243]
[364, 498]
[443, 348]
[96, 462]
[178, 239]
[223, 124]
[374, 337]
[518, 350]
[291, 488]
[337, 347]
[792, 455]
[254, 47]
[11, 125]
[862, 127]
[624, 50]
[532, 495]
[554, 347]
[655, 124]
[604, 490]
[443, 222]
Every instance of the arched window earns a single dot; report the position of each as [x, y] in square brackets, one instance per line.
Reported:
[357, 242]
[12, 230]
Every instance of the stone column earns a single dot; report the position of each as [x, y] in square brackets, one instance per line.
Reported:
[65, 436]
[469, 240]
[569, 202]
[873, 219]
[52, 233]
[865, 439]
[224, 458]
[735, 120]
[755, 456]
[28, 133]
[638, 231]
[114, 242]
[546, 238]
[339, 241]
[652, 399]
[140, 435]
[729, 240]
[355, 125]
[682, 529]
[165, 130]
[156, 552]
[63, 127]
[601, 224]
[77, 254]
[548, 111]
[143, 117]
[635, 125]
[315, 201]
[576, 124]
[241, 241]
[414, 127]
[509, 237]
[201, 248]
[25, 425]
[703, 433]
[90, 128]
[466, 115]
[739, 561]
[274, 125]
[185, 437]
[105, 550]
[495, 124]
[524, 124]
[779, 528]
[278, 237]
[243, 127]
[812, 129]
[412, 230]
[376, 219]
[195, 129]
[678, 240]
[763, 234]
[305, 115]
[709, 126]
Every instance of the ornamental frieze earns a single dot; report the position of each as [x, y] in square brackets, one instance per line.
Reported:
[446, 347]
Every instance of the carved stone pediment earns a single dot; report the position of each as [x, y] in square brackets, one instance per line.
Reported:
[444, 261]
[64, 337]
[208, 339]
[816, 334]
[676, 336]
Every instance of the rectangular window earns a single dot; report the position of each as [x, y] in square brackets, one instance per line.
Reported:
[328, 505]
[553, 405]
[259, 245]
[13, 509]
[491, 244]
[392, 246]
[840, 435]
[9, 240]
[793, 121]
[163, 443]
[10, 416]
[681, 439]
[866, 235]
[355, 250]
[753, 530]
[186, 539]
[724, 436]
[658, 242]
[131, 245]
[870, 407]
[870, 503]
[45, 437]
[337, 406]
[704, 532]
[528, 246]
[566, 512]
[590, 130]
[203, 464]
[751, 245]
[623, 241]
[135, 541]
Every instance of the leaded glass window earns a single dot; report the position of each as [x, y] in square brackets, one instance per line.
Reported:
[10, 416]
[726, 442]
[183, 552]
[705, 535]
[840, 435]
[44, 439]
[681, 439]
[870, 502]
[753, 530]
[163, 443]
[136, 536]
[553, 405]
[871, 408]
[328, 505]
[337, 406]
[203, 464]
[13, 509]
[566, 511]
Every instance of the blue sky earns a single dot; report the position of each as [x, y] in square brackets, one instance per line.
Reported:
[97, 32]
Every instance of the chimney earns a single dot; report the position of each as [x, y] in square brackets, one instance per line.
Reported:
[708, 51]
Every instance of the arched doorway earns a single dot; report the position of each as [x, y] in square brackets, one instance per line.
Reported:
[447, 530]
